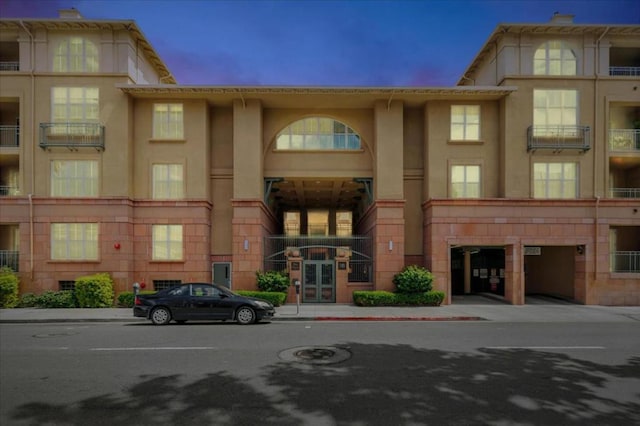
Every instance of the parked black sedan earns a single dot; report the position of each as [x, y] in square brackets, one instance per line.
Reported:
[200, 301]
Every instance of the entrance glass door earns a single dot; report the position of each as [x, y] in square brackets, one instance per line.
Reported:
[319, 281]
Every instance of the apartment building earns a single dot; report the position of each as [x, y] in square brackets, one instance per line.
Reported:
[523, 178]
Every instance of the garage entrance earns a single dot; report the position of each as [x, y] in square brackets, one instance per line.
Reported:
[550, 270]
[477, 270]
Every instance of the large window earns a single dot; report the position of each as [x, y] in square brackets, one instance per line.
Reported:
[168, 181]
[74, 178]
[167, 242]
[554, 58]
[318, 133]
[292, 224]
[74, 241]
[318, 223]
[168, 121]
[465, 181]
[344, 223]
[555, 180]
[554, 111]
[465, 122]
[74, 108]
[76, 54]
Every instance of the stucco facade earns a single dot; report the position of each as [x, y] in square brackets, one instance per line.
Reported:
[485, 210]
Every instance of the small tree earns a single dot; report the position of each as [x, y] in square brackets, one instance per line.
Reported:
[272, 281]
[8, 288]
[413, 279]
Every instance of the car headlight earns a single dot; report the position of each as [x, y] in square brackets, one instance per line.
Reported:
[265, 305]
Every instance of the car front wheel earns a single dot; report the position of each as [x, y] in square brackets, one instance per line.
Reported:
[245, 315]
[160, 316]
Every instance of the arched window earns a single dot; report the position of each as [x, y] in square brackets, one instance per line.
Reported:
[554, 58]
[76, 54]
[317, 133]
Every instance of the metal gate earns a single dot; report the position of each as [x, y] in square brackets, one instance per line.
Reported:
[319, 284]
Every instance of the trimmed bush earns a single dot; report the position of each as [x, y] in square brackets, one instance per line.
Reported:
[127, 298]
[28, 300]
[387, 298]
[8, 288]
[56, 299]
[94, 291]
[272, 281]
[413, 279]
[276, 298]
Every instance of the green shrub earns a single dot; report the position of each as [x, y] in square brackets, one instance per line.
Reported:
[28, 300]
[94, 291]
[413, 279]
[126, 298]
[276, 298]
[8, 288]
[272, 281]
[387, 298]
[56, 299]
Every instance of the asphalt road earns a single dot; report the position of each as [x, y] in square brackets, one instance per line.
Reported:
[327, 373]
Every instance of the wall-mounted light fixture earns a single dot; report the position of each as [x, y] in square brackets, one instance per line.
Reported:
[245, 245]
[390, 245]
[580, 249]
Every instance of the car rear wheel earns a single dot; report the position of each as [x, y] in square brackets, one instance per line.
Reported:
[160, 316]
[245, 315]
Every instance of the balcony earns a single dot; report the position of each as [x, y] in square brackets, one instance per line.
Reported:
[9, 191]
[625, 261]
[624, 140]
[9, 66]
[10, 258]
[9, 136]
[624, 192]
[72, 135]
[558, 138]
[627, 71]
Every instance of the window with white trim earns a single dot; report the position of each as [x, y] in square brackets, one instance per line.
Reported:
[555, 111]
[554, 58]
[168, 181]
[74, 241]
[76, 54]
[76, 110]
[168, 121]
[555, 180]
[465, 181]
[167, 242]
[318, 133]
[465, 122]
[74, 178]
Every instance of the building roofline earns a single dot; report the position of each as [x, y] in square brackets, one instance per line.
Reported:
[96, 24]
[545, 28]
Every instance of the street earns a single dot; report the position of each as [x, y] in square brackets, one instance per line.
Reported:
[320, 373]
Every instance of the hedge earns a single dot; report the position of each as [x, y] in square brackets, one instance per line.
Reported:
[387, 298]
[8, 288]
[94, 291]
[127, 298]
[275, 297]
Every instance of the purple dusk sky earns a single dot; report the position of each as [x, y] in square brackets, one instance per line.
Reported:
[323, 43]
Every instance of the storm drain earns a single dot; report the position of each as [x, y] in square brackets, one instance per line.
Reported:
[320, 355]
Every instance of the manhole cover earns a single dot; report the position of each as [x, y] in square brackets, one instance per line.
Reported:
[316, 354]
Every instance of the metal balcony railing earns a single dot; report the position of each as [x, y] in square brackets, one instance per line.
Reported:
[624, 192]
[9, 66]
[10, 258]
[625, 261]
[558, 138]
[323, 248]
[631, 71]
[625, 140]
[9, 136]
[8, 190]
[72, 135]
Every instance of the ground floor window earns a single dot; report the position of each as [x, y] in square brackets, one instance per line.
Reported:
[74, 241]
[167, 242]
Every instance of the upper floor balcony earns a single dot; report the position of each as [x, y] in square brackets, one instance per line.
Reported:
[72, 135]
[630, 71]
[558, 138]
[9, 136]
[9, 66]
[624, 140]
[624, 61]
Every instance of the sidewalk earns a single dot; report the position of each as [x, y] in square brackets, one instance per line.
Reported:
[468, 308]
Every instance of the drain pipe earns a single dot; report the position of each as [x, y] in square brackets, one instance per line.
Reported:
[30, 237]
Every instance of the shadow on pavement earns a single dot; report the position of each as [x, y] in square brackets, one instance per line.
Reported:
[378, 385]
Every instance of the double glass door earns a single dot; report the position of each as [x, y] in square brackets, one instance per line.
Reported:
[319, 281]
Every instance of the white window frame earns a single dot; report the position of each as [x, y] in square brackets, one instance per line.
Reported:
[168, 121]
[167, 181]
[547, 186]
[75, 106]
[74, 241]
[554, 57]
[318, 134]
[167, 242]
[465, 123]
[74, 178]
[463, 188]
[76, 54]
[555, 111]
